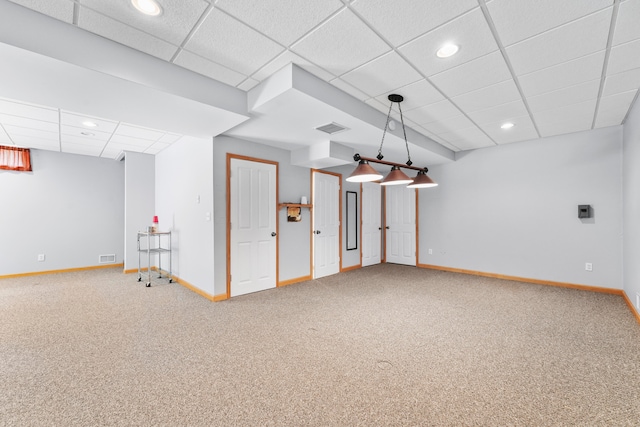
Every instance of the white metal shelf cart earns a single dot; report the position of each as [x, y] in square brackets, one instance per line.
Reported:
[154, 245]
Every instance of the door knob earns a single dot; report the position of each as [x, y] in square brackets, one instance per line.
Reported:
[387, 227]
[319, 231]
[273, 234]
[379, 228]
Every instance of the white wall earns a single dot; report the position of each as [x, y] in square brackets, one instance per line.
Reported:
[70, 208]
[184, 200]
[139, 195]
[512, 210]
[631, 190]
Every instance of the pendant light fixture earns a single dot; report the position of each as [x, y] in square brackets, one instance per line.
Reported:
[364, 172]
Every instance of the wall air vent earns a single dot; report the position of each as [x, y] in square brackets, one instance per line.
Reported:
[107, 259]
[331, 128]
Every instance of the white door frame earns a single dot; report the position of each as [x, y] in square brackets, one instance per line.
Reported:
[228, 214]
[313, 220]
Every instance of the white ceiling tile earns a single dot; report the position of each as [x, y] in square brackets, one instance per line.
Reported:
[4, 138]
[382, 75]
[231, 43]
[522, 130]
[110, 153]
[470, 32]
[448, 125]
[248, 84]
[583, 110]
[124, 34]
[627, 27]
[612, 115]
[285, 58]
[347, 88]
[120, 146]
[35, 142]
[77, 120]
[23, 109]
[622, 82]
[173, 25]
[80, 139]
[208, 68]
[139, 132]
[574, 40]
[433, 112]
[59, 9]
[473, 75]
[169, 138]
[84, 133]
[561, 120]
[624, 57]
[283, 20]
[89, 150]
[341, 44]
[619, 101]
[565, 96]
[383, 108]
[487, 97]
[566, 74]
[569, 126]
[415, 95]
[400, 23]
[516, 20]
[24, 122]
[501, 113]
[468, 139]
[17, 131]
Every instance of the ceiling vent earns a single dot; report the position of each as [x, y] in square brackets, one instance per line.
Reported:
[331, 128]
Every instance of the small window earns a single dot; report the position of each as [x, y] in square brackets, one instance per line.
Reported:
[15, 159]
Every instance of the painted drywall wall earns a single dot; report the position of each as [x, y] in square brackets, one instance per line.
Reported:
[70, 208]
[184, 205]
[139, 202]
[294, 182]
[631, 192]
[513, 210]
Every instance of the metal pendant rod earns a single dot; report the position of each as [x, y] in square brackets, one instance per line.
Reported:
[357, 158]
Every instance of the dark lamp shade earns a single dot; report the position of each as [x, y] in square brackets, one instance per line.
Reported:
[396, 177]
[364, 173]
[422, 180]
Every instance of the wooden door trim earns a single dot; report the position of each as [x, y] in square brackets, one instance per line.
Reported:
[231, 156]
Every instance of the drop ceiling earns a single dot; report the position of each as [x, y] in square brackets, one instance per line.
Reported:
[549, 67]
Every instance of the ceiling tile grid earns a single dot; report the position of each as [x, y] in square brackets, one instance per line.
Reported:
[548, 66]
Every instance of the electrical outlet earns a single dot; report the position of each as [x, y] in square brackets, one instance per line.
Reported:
[40, 257]
[588, 266]
[430, 252]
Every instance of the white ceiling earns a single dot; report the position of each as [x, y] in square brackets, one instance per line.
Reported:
[550, 67]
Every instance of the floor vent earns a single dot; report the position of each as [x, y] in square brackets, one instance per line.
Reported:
[107, 259]
[331, 128]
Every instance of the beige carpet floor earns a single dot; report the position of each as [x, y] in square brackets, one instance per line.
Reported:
[381, 346]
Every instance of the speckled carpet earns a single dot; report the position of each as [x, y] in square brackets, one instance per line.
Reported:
[386, 345]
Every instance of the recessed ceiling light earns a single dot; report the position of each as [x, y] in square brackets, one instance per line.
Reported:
[507, 125]
[447, 50]
[89, 124]
[148, 7]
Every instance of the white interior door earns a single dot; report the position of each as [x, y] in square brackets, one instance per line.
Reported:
[326, 224]
[371, 223]
[253, 226]
[400, 225]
